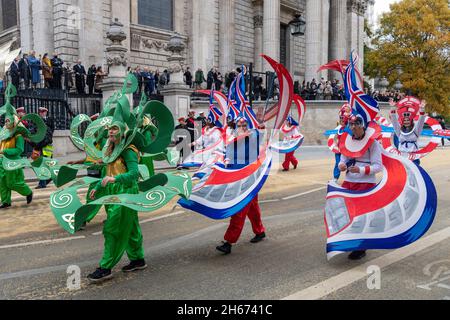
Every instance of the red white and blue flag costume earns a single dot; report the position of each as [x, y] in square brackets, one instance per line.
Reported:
[366, 215]
[225, 192]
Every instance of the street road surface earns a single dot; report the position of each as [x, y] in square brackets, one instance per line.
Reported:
[183, 263]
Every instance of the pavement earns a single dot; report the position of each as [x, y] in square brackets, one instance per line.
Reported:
[38, 257]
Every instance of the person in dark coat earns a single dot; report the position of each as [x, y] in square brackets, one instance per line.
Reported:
[57, 64]
[210, 79]
[45, 147]
[181, 133]
[80, 74]
[25, 71]
[188, 77]
[14, 72]
[91, 78]
[190, 123]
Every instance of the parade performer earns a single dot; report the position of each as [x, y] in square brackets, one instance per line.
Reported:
[364, 214]
[361, 170]
[45, 147]
[121, 229]
[210, 145]
[231, 191]
[292, 138]
[344, 114]
[240, 153]
[290, 131]
[121, 190]
[12, 145]
[407, 132]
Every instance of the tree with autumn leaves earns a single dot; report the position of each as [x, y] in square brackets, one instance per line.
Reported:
[415, 36]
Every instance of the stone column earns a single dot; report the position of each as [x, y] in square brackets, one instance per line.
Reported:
[179, 16]
[134, 11]
[352, 26]
[1, 18]
[177, 95]
[202, 37]
[42, 24]
[271, 31]
[361, 34]
[90, 34]
[338, 33]
[25, 24]
[226, 35]
[317, 23]
[121, 10]
[117, 60]
[258, 22]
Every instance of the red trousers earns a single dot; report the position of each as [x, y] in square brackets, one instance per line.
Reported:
[253, 212]
[288, 159]
[358, 186]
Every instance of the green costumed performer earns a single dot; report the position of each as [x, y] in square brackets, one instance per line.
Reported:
[120, 190]
[12, 144]
[121, 228]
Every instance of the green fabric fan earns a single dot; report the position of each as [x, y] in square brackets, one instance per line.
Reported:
[10, 113]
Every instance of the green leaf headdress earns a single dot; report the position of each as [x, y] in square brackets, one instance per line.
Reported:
[15, 125]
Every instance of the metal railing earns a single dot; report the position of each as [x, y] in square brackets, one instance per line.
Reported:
[62, 106]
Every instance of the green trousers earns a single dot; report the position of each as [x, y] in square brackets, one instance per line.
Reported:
[12, 181]
[121, 232]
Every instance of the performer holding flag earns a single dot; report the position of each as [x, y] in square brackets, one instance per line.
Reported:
[241, 152]
[362, 166]
[344, 115]
[290, 131]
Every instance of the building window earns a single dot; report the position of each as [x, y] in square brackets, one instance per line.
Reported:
[156, 13]
[284, 41]
[9, 14]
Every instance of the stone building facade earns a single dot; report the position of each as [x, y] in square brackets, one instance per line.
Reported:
[218, 33]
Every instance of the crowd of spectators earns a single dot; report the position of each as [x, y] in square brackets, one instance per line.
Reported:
[33, 72]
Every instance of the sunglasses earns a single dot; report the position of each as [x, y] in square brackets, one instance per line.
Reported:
[242, 126]
[406, 114]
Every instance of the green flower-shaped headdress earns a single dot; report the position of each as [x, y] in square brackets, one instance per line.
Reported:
[14, 125]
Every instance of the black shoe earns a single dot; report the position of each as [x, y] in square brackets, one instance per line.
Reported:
[29, 198]
[135, 265]
[258, 238]
[83, 226]
[285, 170]
[5, 205]
[100, 275]
[40, 187]
[225, 248]
[356, 255]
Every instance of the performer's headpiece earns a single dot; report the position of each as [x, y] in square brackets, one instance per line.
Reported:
[408, 107]
[16, 125]
[345, 113]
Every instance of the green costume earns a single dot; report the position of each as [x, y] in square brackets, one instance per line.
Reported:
[12, 146]
[12, 180]
[121, 229]
[120, 159]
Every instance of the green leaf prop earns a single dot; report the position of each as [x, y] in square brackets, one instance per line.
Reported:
[77, 140]
[164, 118]
[154, 193]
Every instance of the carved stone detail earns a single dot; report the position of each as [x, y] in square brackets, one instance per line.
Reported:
[258, 21]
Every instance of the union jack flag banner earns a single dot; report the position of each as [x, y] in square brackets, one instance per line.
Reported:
[215, 114]
[233, 111]
[242, 103]
[361, 103]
